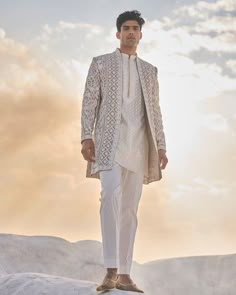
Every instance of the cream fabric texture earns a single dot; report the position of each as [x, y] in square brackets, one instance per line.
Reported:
[121, 191]
[132, 148]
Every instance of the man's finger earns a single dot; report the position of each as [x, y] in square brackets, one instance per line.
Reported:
[88, 151]
[90, 155]
[163, 163]
[92, 151]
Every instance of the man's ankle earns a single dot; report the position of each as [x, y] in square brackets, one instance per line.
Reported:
[111, 271]
[124, 275]
[125, 278]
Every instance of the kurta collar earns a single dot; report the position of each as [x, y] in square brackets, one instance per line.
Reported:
[133, 56]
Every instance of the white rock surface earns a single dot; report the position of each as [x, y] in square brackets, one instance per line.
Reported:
[44, 265]
[42, 284]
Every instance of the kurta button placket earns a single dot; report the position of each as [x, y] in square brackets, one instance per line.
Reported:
[132, 149]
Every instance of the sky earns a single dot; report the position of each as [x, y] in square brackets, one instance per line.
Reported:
[45, 51]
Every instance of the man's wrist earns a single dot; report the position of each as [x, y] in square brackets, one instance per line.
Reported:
[85, 138]
[161, 149]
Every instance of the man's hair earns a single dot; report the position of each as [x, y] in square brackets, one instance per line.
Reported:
[129, 15]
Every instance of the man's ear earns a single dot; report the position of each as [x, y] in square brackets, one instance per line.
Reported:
[118, 35]
[141, 35]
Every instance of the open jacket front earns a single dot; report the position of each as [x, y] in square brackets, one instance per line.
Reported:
[102, 102]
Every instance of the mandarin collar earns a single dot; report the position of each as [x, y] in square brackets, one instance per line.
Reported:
[133, 56]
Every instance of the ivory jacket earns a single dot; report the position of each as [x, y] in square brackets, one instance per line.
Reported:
[101, 112]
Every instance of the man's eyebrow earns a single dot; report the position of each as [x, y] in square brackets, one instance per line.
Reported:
[130, 26]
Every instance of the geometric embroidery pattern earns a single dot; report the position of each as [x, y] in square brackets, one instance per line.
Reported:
[101, 112]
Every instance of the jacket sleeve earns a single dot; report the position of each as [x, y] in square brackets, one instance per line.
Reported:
[90, 101]
[161, 143]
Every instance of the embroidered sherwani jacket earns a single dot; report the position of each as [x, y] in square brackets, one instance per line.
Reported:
[101, 112]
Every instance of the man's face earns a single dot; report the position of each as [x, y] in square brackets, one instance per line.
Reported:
[130, 34]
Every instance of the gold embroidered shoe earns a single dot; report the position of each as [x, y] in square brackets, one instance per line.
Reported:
[128, 287]
[107, 284]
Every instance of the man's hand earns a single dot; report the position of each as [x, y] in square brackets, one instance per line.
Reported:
[163, 158]
[88, 150]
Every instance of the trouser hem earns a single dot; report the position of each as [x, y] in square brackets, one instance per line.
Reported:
[124, 269]
[110, 263]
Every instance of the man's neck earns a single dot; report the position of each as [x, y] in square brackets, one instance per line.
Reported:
[129, 51]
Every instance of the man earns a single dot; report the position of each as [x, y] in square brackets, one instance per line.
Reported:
[127, 149]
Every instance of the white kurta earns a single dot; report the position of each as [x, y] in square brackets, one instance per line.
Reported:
[132, 149]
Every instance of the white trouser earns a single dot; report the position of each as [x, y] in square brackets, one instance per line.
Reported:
[121, 190]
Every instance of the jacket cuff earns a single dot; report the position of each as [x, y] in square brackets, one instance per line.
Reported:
[161, 147]
[85, 137]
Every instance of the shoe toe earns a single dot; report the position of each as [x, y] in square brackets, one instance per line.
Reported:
[107, 284]
[128, 287]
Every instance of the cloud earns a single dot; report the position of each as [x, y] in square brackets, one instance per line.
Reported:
[203, 186]
[12, 49]
[41, 161]
[231, 63]
[40, 119]
[79, 41]
[201, 9]
[72, 46]
[197, 31]
[215, 122]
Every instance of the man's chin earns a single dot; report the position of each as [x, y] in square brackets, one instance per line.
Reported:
[131, 44]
